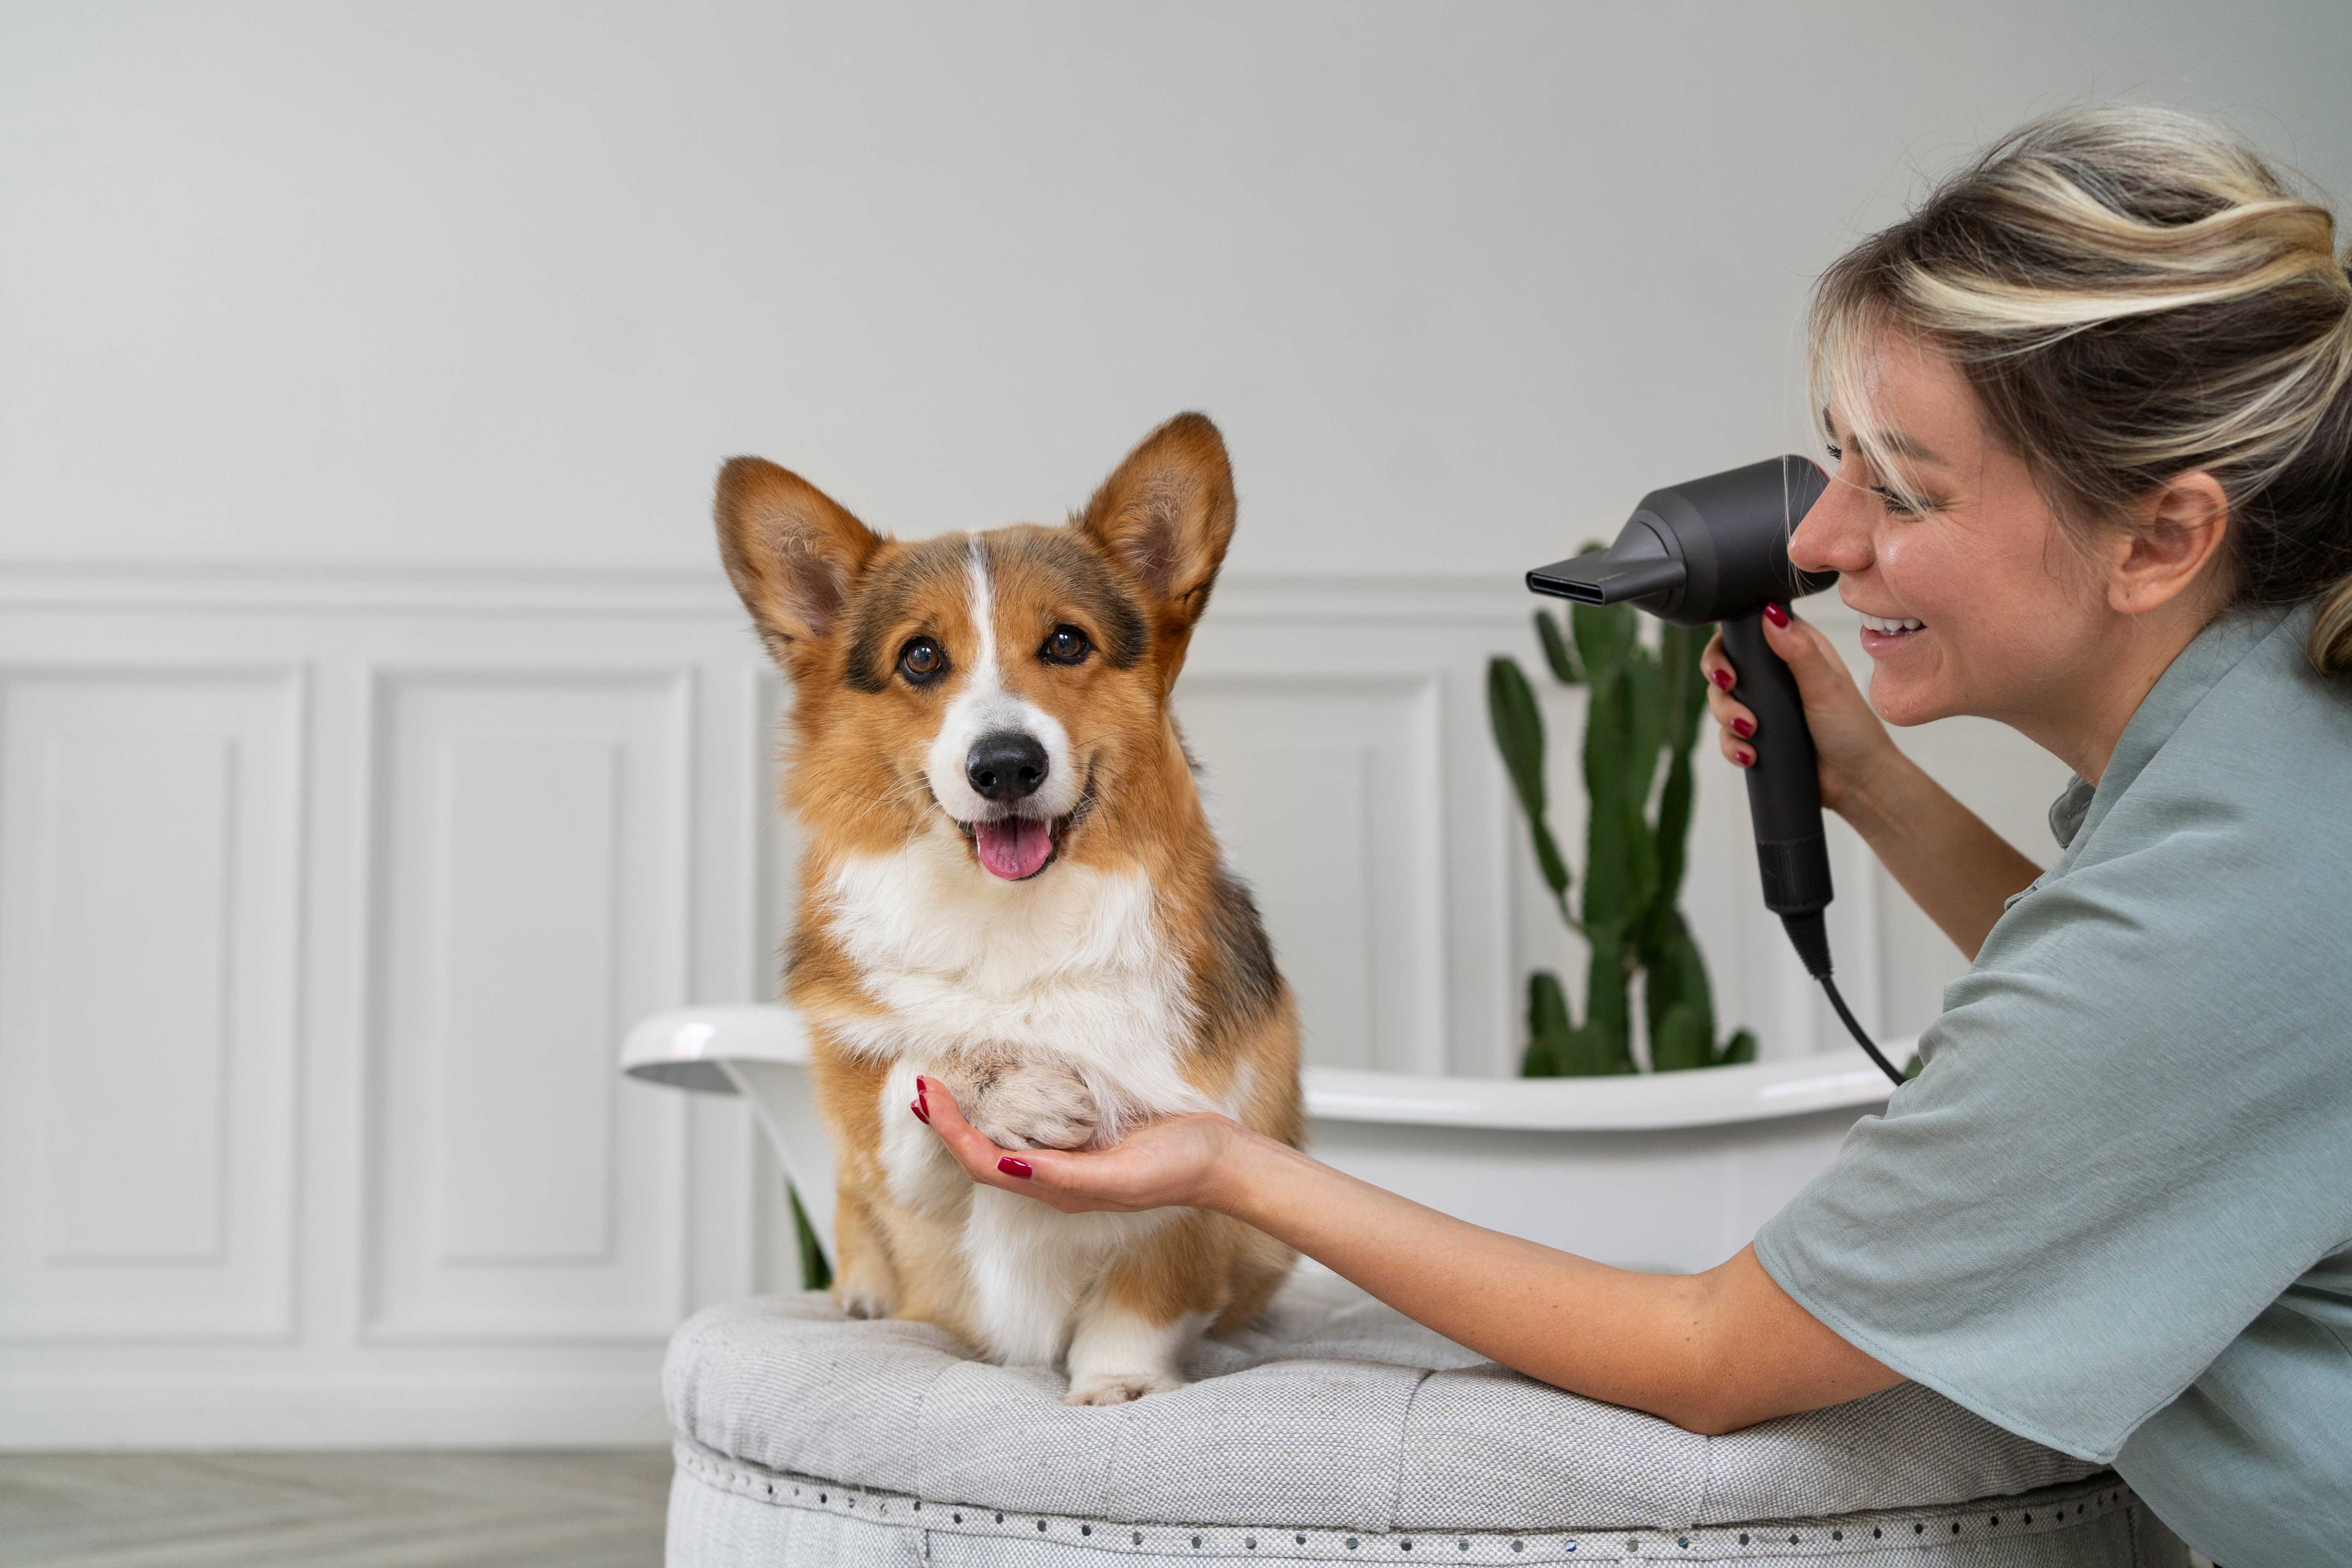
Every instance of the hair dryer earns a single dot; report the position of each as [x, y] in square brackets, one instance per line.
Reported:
[1717, 550]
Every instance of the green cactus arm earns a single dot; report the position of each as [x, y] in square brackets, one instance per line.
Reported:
[1739, 1049]
[1608, 852]
[1547, 1005]
[1547, 1027]
[1672, 833]
[1556, 651]
[1684, 685]
[1517, 724]
[1602, 634]
[1591, 1052]
[1644, 734]
[815, 1272]
[1679, 1042]
[1645, 731]
[1674, 979]
[1608, 1010]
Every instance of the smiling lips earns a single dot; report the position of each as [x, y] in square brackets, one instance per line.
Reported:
[1893, 625]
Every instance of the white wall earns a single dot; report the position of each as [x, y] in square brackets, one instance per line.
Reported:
[497, 284]
[376, 737]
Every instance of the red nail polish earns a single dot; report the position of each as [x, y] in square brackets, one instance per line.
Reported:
[1776, 614]
[1744, 757]
[1723, 678]
[922, 1114]
[1012, 1167]
[1742, 728]
[921, 1087]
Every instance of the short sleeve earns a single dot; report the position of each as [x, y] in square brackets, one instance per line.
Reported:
[2129, 1137]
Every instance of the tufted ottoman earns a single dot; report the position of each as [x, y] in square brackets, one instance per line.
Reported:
[1337, 1431]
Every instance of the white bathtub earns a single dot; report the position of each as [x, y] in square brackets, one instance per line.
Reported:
[1669, 1172]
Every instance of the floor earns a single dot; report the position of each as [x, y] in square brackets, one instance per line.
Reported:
[439, 1510]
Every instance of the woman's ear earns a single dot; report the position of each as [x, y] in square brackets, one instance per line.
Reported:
[792, 553]
[1166, 514]
[2177, 531]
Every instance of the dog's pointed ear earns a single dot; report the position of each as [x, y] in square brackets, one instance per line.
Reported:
[1167, 513]
[790, 551]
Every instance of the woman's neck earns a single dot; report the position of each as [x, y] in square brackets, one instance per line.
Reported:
[2087, 714]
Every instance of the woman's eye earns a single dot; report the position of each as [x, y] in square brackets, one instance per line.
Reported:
[920, 660]
[1894, 502]
[1064, 645]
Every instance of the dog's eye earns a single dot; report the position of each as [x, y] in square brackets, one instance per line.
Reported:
[921, 661]
[1064, 645]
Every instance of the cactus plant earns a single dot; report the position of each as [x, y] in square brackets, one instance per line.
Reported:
[1642, 706]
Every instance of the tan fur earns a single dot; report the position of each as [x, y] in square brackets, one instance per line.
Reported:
[836, 603]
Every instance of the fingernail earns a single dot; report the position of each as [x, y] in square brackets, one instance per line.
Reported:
[921, 1115]
[1012, 1167]
[1723, 678]
[1742, 728]
[921, 1087]
[1776, 614]
[1744, 757]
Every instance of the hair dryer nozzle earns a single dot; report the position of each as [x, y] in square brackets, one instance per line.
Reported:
[1608, 577]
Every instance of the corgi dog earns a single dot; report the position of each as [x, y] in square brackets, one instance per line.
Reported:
[1007, 884]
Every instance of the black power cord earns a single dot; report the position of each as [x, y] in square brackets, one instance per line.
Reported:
[1810, 938]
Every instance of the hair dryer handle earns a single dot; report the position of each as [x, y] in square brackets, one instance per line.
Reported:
[1784, 792]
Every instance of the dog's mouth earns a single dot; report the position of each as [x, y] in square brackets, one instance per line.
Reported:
[1016, 848]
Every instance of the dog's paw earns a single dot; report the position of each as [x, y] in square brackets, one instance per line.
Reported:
[1034, 1105]
[1119, 1387]
[862, 1302]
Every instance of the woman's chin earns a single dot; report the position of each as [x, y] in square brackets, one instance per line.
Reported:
[1904, 702]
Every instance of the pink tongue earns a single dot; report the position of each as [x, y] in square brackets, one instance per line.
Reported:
[1015, 848]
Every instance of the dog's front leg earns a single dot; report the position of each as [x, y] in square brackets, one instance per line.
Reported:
[917, 1168]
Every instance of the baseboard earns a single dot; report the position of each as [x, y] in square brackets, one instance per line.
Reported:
[409, 1414]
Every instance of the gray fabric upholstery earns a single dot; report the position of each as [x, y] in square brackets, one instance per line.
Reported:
[806, 1438]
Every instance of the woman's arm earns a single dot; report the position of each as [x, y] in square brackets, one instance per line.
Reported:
[1711, 1352]
[1950, 861]
[1946, 857]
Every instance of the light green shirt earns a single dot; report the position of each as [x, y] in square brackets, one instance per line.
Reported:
[2114, 1212]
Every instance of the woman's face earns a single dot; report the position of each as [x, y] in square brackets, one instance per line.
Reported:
[1978, 603]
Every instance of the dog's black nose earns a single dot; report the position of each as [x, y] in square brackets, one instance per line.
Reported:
[1006, 765]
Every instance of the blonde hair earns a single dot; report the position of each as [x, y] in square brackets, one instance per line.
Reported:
[2133, 295]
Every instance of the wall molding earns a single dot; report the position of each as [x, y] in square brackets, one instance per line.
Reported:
[1343, 728]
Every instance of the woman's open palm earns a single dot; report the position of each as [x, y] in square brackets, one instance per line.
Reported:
[1170, 1162]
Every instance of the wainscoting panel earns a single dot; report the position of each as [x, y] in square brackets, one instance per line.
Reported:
[1326, 794]
[149, 837]
[326, 897]
[531, 848]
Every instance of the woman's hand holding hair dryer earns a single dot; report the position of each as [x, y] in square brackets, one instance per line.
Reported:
[1958, 870]
[1849, 740]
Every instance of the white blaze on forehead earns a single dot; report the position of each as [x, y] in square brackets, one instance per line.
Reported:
[983, 619]
[983, 705]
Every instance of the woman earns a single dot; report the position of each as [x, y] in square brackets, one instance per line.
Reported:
[2091, 409]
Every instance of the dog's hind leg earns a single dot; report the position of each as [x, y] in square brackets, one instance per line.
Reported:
[864, 1281]
[1152, 1302]
[1260, 1267]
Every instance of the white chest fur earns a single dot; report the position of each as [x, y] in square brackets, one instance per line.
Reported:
[1072, 964]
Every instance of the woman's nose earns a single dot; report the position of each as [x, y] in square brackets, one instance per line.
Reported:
[1835, 535]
